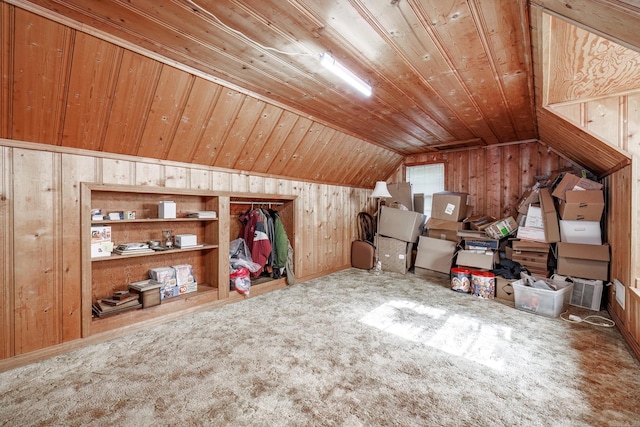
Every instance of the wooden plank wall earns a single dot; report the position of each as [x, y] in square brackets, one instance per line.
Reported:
[495, 177]
[40, 259]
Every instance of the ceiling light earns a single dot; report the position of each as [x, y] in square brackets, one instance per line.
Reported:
[341, 71]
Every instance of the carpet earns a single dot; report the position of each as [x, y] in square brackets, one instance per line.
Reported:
[347, 349]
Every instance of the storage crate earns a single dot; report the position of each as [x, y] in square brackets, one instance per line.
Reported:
[541, 301]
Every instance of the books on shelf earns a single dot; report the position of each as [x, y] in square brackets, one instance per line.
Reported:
[145, 285]
[202, 214]
[119, 302]
[133, 248]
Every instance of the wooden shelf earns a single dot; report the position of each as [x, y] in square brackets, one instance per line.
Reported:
[142, 220]
[115, 257]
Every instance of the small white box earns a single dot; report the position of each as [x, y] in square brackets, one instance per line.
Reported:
[186, 240]
[585, 232]
[166, 209]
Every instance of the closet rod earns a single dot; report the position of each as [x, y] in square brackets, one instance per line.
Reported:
[257, 203]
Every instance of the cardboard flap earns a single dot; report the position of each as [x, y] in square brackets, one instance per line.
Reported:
[530, 246]
[582, 251]
[443, 224]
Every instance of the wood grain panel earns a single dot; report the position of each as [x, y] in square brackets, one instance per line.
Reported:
[578, 57]
[38, 97]
[91, 84]
[288, 148]
[36, 256]
[258, 138]
[217, 128]
[240, 131]
[272, 146]
[166, 111]
[132, 99]
[603, 119]
[197, 111]
[7, 31]
[75, 169]
[304, 156]
[7, 276]
[632, 135]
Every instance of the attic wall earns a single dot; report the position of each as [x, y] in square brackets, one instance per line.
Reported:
[40, 259]
[63, 87]
[495, 177]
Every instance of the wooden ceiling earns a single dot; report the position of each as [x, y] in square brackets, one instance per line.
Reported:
[238, 84]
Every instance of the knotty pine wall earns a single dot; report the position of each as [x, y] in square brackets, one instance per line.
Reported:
[40, 258]
[495, 177]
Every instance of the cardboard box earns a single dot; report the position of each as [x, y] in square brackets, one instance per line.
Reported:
[549, 217]
[435, 254]
[418, 202]
[401, 193]
[572, 182]
[585, 261]
[475, 259]
[164, 275]
[394, 254]
[524, 245]
[501, 228]
[100, 234]
[586, 232]
[479, 222]
[399, 224]
[184, 274]
[449, 205]
[186, 240]
[166, 209]
[582, 205]
[534, 217]
[504, 289]
[531, 234]
[101, 249]
[528, 198]
[169, 291]
[444, 229]
[187, 288]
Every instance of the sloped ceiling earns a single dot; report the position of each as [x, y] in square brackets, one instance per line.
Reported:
[445, 74]
[237, 84]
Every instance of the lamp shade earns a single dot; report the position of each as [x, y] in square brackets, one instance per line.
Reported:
[381, 190]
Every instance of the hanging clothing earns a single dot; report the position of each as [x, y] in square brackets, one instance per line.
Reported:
[261, 248]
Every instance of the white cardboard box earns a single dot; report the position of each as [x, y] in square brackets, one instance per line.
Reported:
[585, 232]
[186, 240]
[166, 209]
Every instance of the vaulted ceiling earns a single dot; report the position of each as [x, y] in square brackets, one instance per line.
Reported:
[238, 84]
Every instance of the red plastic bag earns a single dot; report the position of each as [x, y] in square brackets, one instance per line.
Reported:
[240, 281]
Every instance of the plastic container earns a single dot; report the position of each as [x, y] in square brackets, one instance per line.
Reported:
[544, 302]
[461, 280]
[483, 284]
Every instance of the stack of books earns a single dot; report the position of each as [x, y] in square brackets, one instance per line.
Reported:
[119, 302]
[202, 214]
[133, 249]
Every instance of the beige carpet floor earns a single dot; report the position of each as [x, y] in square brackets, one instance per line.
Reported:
[348, 349]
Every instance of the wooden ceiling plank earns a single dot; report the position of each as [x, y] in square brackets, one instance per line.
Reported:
[244, 123]
[259, 137]
[91, 85]
[38, 98]
[197, 111]
[218, 126]
[298, 132]
[303, 157]
[136, 83]
[277, 138]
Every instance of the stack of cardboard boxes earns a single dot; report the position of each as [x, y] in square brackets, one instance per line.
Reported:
[398, 230]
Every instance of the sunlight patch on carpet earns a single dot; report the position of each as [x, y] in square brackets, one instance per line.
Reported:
[460, 336]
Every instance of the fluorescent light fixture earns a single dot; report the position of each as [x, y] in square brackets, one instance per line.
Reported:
[341, 71]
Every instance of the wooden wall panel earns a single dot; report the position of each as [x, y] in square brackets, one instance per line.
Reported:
[6, 68]
[601, 115]
[38, 97]
[40, 188]
[91, 83]
[36, 256]
[77, 169]
[7, 276]
[495, 177]
[259, 138]
[136, 84]
[165, 114]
